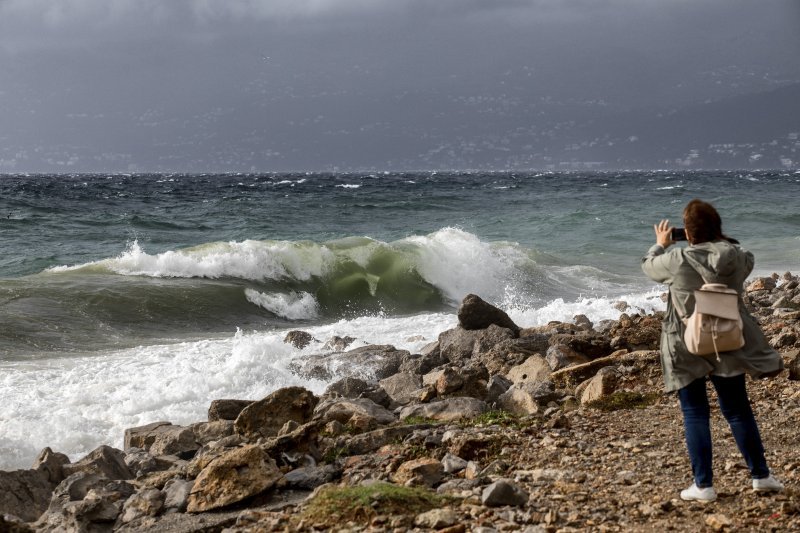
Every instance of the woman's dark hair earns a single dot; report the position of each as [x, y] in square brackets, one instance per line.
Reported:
[703, 222]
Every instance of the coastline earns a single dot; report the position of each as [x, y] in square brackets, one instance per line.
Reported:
[517, 404]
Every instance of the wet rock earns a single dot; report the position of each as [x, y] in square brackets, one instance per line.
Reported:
[425, 471]
[298, 339]
[338, 344]
[447, 410]
[226, 409]
[474, 313]
[104, 460]
[266, 417]
[233, 477]
[503, 492]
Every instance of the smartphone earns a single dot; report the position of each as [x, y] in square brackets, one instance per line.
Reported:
[678, 234]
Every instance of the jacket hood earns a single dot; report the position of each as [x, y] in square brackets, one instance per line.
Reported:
[717, 261]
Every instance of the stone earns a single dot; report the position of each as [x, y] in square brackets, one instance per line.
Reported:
[424, 471]
[422, 363]
[226, 409]
[560, 356]
[148, 502]
[475, 313]
[589, 344]
[205, 432]
[453, 464]
[298, 339]
[311, 477]
[163, 439]
[176, 494]
[372, 440]
[718, 522]
[527, 398]
[503, 492]
[104, 460]
[794, 366]
[583, 322]
[496, 386]
[436, 518]
[338, 344]
[50, 464]
[761, 284]
[601, 385]
[266, 417]
[446, 410]
[344, 409]
[533, 370]
[140, 462]
[403, 387]
[25, 493]
[302, 440]
[233, 477]
[349, 387]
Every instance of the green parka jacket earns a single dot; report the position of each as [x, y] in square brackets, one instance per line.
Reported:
[683, 270]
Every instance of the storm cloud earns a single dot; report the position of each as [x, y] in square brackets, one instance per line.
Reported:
[114, 85]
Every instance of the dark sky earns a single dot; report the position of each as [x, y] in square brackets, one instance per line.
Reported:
[116, 85]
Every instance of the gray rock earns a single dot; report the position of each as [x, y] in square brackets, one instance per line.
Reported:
[25, 493]
[511, 352]
[453, 464]
[338, 344]
[50, 464]
[560, 356]
[176, 493]
[140, 462]
[343, 409]
[496, 386]
[447, 410]
[266, 417]
[424, 471]
[349, 387]
[794, 366]
[503, 492]
[226, 409]
[148, 502]
[475, 313]
[372, 440]
[311, 477]
[402, 388]
[163, 438]
[104, 460]
[527, 398]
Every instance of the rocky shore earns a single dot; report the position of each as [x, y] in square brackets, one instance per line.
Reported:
[492, 427]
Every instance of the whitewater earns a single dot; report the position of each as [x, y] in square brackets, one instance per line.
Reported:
[126, 300]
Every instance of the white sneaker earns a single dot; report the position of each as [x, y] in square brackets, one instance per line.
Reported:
[767, 484]
[695, 493]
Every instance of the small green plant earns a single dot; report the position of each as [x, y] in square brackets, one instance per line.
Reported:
[624, 400]
[494, 417]
[335, 506]
[420, 420]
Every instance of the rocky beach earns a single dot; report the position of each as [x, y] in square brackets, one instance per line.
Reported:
[492, 427]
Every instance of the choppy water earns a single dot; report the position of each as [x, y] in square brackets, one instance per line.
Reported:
[129, 299]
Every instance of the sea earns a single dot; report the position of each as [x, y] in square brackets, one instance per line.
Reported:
[127, 299]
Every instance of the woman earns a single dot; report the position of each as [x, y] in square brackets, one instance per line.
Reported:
[713, 258]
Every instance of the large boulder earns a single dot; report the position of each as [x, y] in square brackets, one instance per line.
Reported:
[24, 494]
[447, 410]
[603, 384]
[266, 417]
[232, 477]
[533, 370]
[424, 471]
[51, 464]
[104, 460]
[163, 438]
[403, 388]
[344, 409]
[378, 361]
[527, 398]
[458, 344]
[226, 409]
[561, 356]
[508, 353]
[475, 313]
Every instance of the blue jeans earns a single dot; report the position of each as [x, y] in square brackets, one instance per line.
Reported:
[735, 407]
